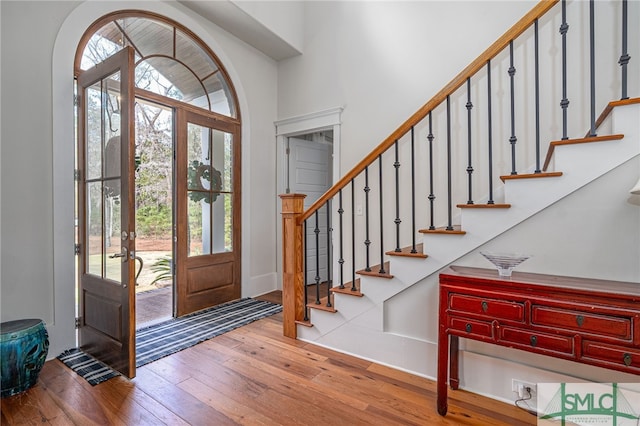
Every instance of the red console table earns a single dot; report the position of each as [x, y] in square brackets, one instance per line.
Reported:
[594, 322]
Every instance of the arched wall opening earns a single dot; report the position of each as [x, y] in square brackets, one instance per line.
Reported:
[61, 330]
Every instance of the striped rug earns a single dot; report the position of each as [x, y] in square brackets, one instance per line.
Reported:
[168, 337]
[92, 370]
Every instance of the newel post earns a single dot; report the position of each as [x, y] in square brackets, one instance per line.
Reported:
[293, 302]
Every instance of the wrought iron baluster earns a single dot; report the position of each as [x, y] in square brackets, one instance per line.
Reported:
[341, 260]
[564, 103]
[469, 107]
[512, 139]
[449, 194]
[353, 235]
[413, 192]
[592, 65]
[396, 165]
[317, 232]
[432, 196]
[537, 90]
[329, 230]
[489, 138]
[367, 242]
[624, 58]
[382, 271]
[306, 273]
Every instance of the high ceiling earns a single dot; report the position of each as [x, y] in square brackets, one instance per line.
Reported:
[228, 16]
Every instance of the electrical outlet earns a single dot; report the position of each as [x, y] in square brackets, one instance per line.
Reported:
[520, 388]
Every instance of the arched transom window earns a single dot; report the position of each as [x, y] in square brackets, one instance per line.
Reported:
[170, 60]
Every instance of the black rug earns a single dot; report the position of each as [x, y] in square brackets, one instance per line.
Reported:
[168, 337]
[92, 370]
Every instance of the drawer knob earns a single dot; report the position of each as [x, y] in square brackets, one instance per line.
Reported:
[485, 307]
[626, 358]
[534, 340]
[579, 320]
[468, 328]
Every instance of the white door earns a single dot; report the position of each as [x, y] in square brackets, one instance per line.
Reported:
[310, 174]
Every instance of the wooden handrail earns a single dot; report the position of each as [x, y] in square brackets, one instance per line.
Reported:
[521, 26]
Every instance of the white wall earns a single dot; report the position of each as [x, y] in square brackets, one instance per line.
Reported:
[37, 154]
[384, 60]
[26, 158]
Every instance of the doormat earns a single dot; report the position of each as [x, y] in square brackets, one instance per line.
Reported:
[92, 370]
[168, 337]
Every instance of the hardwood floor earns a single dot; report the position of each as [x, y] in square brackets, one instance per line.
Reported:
[251, 375]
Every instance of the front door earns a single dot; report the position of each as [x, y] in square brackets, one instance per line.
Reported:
[208, 211]
[106, 212]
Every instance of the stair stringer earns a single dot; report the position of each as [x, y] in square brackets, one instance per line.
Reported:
[364, 335]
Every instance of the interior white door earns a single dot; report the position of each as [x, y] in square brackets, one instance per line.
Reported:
[310, 174]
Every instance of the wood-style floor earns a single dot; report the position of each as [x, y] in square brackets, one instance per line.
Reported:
[251, 376]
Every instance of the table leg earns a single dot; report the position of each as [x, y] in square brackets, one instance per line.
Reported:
[443, 364]
[454, 375]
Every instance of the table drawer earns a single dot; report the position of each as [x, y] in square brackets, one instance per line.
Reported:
[540, 341]
[604, 325]
[471, 327]
[618, 355]
[491, 308]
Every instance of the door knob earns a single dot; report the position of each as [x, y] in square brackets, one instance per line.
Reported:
[123, 255]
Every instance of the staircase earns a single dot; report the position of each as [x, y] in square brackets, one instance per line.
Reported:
[355, 312]
[386, 310]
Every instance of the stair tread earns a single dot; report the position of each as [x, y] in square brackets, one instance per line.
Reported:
[587, 139]
[323, 305]
[407, 252]
[347, 289]
[610, 106]
[484, 206]
[375, 271]
[304, 323]
[457, 230]
[531, 176]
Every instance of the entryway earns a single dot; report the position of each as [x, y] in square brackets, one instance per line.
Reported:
[154, 207]
[158, 172]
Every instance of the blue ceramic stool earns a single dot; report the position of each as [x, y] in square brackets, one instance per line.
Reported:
[24, 346]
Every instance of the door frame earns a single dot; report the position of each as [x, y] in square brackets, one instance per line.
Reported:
[61, 323]
[328, 119]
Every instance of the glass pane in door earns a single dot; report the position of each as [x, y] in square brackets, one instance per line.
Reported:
[112, 229]
[209, 189]
[93, 151]
[94, 228]
[103, 178]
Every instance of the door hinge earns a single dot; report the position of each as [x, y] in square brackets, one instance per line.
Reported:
[78, 322]
[76, 249]
[76, 100]
[287, 151]
[76, 175]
